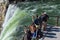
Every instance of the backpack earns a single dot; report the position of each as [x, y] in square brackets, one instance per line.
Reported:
[36, 21]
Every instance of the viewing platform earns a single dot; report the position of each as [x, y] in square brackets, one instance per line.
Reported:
[53, 33]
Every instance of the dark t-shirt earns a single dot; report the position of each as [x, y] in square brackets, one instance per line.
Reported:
[43, 18]
[36, 21]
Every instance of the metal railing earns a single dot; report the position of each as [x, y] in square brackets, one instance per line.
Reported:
[55, 19]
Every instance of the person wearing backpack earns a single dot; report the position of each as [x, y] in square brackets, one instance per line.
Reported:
[43, 20]
[33, 33]
[36, 21]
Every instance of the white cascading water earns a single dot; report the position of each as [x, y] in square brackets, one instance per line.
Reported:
[9, 13]
[13, 19]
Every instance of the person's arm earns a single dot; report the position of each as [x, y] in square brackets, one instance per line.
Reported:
[47, 17]
[33, 18]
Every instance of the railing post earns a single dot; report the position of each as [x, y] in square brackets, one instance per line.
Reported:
[57, 20]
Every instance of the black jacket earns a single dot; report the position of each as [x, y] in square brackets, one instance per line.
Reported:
[44, 18]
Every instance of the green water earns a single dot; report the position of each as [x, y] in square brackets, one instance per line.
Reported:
[52, 9]
[22, 16]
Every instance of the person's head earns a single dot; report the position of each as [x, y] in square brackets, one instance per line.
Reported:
[43, 13]
[33, 16]
[32, 27]
[36, 15]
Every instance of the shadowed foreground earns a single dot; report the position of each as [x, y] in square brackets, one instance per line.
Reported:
[53, 33]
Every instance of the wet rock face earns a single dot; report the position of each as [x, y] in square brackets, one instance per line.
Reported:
[2, 13]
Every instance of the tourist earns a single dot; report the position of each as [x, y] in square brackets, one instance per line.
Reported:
[33, 33]
[43, 20]
[36, 21]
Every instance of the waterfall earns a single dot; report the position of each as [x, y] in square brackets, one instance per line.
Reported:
[16, 17]
[9, 13]
[13, 25]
